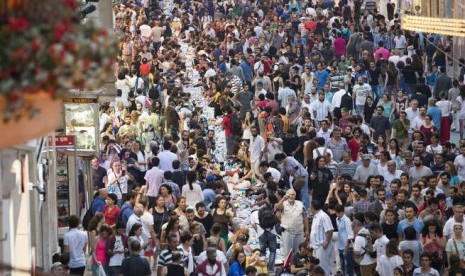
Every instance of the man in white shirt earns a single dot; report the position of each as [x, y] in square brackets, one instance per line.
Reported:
[361, 91]
[284, 93]
[362, 245]
[208, 254]
[265, 167]
[336, 101]
[391, 173]
[154, 179]
[75, 242]
[167, 157]
[412, 113]
[419, 120]
[457, 218]
[324, 131]
[294, 222]
[460, 163]
[306, 102]
[257, 144]
[321, 108]
[321, 236]
[380, 240]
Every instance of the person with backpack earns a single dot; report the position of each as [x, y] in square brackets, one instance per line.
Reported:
[264, 221]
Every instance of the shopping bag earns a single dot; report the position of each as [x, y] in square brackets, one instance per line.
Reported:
[100, 271]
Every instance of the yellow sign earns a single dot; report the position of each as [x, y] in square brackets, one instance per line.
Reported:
[444, 26]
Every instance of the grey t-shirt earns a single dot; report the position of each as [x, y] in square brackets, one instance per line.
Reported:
[416, 174]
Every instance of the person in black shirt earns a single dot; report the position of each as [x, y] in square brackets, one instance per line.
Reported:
[134, 264]
[420, 95]
[175, 268]
[99, 174]
[410, 77]
[300, 263]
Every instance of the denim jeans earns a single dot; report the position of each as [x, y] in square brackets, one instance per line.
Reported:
[377, 92]
[268, 240]
[229, 144]
[348, 258]
[359, 109]
[410, 89]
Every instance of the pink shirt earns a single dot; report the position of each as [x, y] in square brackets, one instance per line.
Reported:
[383, 51]
[339, 46]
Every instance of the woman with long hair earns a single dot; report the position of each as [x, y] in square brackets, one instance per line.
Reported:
[452, 170]
[172, 228]
[237, 268]
[387, 104]
[391, 84]
[390, 260]
[215, 233]
[99, 248]
[167, 193]
[199, 243]
[223, 217]
[107, 130]
[247, 123]
[428, 129]
[135, 233]
[192, 191]
[380, 145]
[94, 227]
[433, 242]
[185, 247]
[394, 151]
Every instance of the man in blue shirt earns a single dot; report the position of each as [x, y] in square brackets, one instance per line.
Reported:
[246, 69]
[99, 201]
[410, 220]
[127, 209]
[435, 113]
[322, 75]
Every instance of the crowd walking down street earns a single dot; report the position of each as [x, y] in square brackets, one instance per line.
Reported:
[275, 137]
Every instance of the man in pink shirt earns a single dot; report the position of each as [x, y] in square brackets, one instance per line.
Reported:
[339, 47]
[382, 51]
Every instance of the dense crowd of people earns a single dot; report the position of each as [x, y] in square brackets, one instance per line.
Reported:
[328, 117]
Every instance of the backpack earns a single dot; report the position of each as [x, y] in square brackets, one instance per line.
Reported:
[154, 94]
[88, 216]
[346, 101]
[119, 218]
[236, 127]
[266, 217]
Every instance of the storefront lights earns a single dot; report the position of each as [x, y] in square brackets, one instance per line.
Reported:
[444, 26]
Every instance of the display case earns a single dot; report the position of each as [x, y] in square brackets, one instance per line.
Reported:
[65, 148]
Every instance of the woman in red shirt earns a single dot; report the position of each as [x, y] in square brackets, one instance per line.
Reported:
[111, 211]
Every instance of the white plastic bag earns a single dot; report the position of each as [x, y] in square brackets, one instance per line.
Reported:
[100, 271]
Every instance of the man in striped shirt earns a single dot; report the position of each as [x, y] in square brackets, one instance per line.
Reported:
[321, 108]
[321, 235]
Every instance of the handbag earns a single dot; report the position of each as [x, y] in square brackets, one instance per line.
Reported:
[298, 183]
[462, 262]
[147, 103]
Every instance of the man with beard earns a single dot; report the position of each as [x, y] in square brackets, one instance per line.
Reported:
[211, 266]
[419, 170]
[128, 129]
[99, 174]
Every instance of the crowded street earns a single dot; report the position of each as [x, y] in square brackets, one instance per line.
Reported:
[268, 137]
